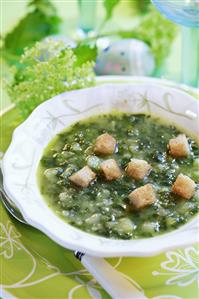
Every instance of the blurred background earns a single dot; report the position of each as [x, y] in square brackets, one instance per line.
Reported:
[122, 37]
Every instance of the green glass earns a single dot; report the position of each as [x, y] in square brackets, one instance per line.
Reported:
[190, 56]
[87, 15]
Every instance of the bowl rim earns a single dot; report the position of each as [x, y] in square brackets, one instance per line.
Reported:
[87, 248]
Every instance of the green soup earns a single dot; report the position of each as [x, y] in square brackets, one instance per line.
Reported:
[103, 208]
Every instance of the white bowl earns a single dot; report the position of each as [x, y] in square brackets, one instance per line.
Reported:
[29, 139]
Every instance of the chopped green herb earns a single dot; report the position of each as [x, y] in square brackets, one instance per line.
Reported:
[103, 208]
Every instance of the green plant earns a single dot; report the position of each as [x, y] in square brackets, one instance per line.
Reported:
[41, 21]
[47, 69]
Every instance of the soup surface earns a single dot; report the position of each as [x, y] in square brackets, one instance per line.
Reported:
[103, 207]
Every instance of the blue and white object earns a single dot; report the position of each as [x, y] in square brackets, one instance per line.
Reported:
[183, 12]
[125, 57]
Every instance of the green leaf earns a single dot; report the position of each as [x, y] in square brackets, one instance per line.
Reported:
[109, 6]
[35, 26]
[44, 6]
[85, 53]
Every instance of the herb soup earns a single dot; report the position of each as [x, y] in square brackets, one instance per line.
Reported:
[95, 189]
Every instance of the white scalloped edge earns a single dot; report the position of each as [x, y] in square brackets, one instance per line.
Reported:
[29, 139]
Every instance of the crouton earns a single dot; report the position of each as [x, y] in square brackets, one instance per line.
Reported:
[184, 186]
[105, 144]
[110, 169]
[179, 146]
[142, 196]
[138, 169]
[83, 177]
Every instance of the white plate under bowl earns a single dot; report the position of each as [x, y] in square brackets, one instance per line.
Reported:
[29, 140]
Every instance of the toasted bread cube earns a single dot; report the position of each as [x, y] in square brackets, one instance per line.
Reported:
[179, 146]
[110, 169]
[105, 144]
[184, 186]
[138, 169]
[142, 196]
[83, 177]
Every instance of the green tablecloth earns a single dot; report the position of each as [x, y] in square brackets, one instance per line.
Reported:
[33, 266]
